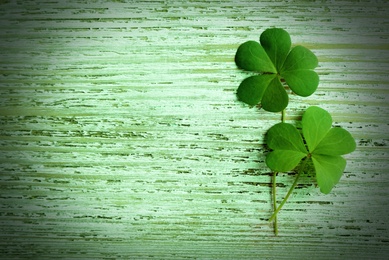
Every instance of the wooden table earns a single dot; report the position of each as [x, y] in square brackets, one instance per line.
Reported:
[121, 135]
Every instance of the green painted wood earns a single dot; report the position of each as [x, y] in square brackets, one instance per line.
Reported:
[121, 136]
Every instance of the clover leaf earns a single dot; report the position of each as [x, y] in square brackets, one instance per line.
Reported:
[274, 60]
[324, 147]
[317, 148]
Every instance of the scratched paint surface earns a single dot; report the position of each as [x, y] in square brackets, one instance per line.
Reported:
[121, 135]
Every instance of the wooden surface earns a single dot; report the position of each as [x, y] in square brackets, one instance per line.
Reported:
[121, 135]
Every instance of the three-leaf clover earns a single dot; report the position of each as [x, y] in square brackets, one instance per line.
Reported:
[317, 148]
[323, 146]
[274, 60]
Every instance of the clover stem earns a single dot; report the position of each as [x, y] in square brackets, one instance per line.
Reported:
[283, 116]
[274, 186]
[273, 217]
[275, 202]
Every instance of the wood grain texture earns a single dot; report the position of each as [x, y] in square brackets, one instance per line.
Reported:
[121, 135]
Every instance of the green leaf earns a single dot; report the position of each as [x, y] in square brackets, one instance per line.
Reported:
[252, 57]
[298, 71]
[284, 160]
[338, 141]
[316, 123]
[288, 147]
[328, 169]
[325, 145]
[302, 82]
[284, 136]
[273, 56]
[265, 88]
[251, 89]
[275, 98]
[299, 58]
[276, 43]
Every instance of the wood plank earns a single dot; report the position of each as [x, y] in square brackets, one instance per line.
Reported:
[121, 136]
